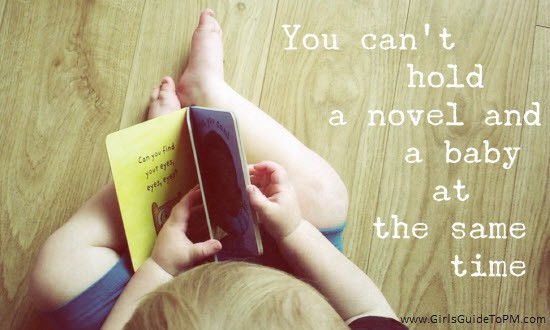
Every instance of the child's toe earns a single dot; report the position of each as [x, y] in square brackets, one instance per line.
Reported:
[163, 99]
[154, 94]
[167, 85]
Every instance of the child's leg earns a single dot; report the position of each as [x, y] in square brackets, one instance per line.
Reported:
[86, 247]
[322, 195]
[90, 243]
[78, 253]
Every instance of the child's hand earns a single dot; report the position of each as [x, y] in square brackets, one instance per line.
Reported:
[173, 251]
[273, 197]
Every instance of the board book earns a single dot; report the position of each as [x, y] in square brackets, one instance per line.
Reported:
[155, 163]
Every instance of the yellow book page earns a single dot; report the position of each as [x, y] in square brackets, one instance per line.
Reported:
[152, 166]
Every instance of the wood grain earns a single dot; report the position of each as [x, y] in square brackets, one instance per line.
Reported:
[62, 83]
[2, 6]
[406, 189]
[543, 13]
[162, 49]
[531, 203]
[72, 73]
[304, 86]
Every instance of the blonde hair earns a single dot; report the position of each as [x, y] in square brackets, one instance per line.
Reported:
[235, 295]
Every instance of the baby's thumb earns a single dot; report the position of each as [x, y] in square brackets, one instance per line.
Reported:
[259, 202]
[203, 250]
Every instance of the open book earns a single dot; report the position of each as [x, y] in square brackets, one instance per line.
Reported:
[158, 161]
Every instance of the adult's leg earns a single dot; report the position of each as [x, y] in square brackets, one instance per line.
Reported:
[322, 195]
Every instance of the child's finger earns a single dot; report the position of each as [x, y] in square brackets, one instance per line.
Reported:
[193, 195]
[259, 202]
[197, 208]
[267, 165]
[259, 181]
[181, 211]
[276, 172]
[202, 250]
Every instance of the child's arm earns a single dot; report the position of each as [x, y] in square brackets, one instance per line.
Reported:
[172, 254]
[348, 289]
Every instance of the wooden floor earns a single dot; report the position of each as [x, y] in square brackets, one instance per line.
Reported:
[72, 73]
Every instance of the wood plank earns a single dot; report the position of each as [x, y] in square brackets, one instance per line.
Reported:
[67, 72]
[543, 15]
[2, 6]
[528, 295]
[303, 87]
[245, 25]
[63, 75]
[416, 273]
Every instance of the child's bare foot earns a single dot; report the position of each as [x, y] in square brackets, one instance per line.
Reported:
[202, 84]
[202, 79]
[163, 99]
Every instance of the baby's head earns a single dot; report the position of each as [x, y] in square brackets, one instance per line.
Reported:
[235, 295]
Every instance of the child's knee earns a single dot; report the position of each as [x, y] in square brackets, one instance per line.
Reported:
[43, 280]
[64, 267]
[324, 201]
[337, 204]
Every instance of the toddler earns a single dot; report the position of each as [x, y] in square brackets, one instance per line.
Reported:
[82, 279]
